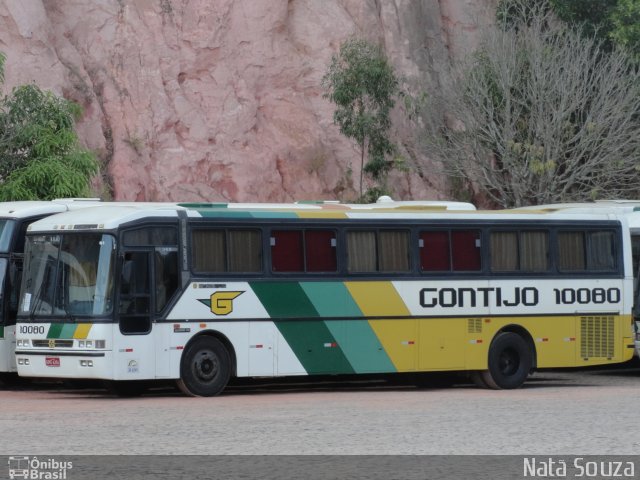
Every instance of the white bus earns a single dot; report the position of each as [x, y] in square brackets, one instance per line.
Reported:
[199, 293]
[15, 217]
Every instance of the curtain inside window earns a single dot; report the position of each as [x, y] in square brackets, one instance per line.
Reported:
[393, 251]
[208, 250]
[245, 251]
[601, 248]
[571, 251]
[361, 251]
[504, 251]
[534, 251]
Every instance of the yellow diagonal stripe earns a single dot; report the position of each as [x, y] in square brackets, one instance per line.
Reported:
[381, 299]
[82, 331]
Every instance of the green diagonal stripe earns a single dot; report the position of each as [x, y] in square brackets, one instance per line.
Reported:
[284, 300]
[68, 329]
[310, 340]
[54, 330]
[357, 339]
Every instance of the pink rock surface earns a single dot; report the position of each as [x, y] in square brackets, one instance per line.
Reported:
[210, 100]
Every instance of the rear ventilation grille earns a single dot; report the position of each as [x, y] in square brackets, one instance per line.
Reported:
[596, 337]
[474, 325]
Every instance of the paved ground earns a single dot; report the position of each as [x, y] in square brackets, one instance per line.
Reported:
[558, 412]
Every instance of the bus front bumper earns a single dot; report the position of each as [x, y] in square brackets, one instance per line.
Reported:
[65, 364]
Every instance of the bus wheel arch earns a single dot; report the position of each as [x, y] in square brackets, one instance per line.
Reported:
[511, 358]
[208, 362]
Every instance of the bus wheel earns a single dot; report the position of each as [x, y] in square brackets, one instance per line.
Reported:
[510, 361]
[478, 380]
[205, 368]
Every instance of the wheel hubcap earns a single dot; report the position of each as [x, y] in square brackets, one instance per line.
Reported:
[205, 366]
[509, 362]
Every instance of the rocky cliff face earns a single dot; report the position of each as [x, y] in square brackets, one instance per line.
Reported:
[208, 100]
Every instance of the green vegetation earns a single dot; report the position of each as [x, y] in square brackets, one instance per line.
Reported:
[615, 23]
[40, 157]
[626, 26]
[362, 84]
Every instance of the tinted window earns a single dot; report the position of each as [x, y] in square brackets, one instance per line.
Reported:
[226, 250]
[378, 251]
[303, 251]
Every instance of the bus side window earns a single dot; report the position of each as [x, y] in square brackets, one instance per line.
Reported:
[571, 251]
[219, 250]
[378, 251]
[435, 252]
[287, 251]
[601, 251]
[135, 294]
[303, 251]
[166, 273]
[320, 250]
[465, 250]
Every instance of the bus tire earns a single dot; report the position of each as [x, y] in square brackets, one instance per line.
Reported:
[478, 380]
[510, 361]
[205, 368]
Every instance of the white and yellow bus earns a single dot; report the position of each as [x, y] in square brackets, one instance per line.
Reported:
[203, 292]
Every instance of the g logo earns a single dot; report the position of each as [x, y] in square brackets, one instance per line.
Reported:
[222, 302]
[52, 344]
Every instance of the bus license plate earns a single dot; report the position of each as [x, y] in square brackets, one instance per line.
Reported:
[52, 361]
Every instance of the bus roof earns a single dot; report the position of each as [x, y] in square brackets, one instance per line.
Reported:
[35, 208]
[599, 206]
[111, 216]
[626, 210]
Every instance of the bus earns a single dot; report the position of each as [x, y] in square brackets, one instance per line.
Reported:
[15, 217]
[200, 293]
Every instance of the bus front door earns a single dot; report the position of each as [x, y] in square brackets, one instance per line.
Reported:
[135, 344]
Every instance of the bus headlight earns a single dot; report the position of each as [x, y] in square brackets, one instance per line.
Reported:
[22, 343]
[86, 363]
[23, 361]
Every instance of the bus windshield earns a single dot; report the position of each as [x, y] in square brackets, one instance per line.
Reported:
[6, 232]
[67, 275]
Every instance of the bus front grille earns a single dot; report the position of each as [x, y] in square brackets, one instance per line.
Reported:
[53, 343]
[596, 337]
